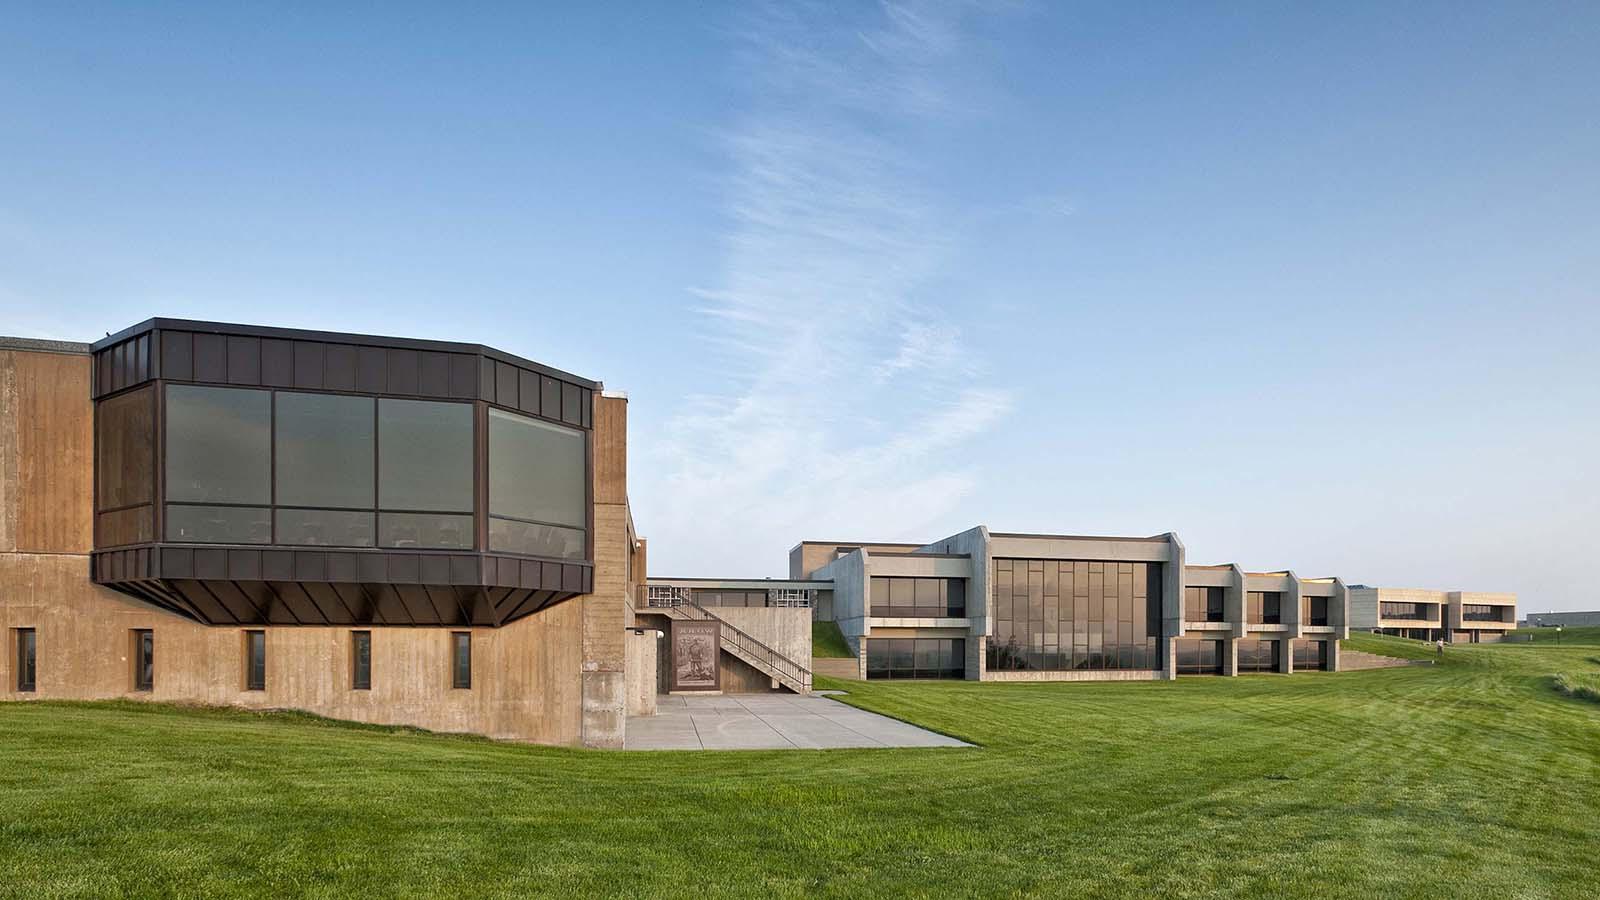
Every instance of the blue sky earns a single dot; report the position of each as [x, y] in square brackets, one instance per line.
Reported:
[1316, 288]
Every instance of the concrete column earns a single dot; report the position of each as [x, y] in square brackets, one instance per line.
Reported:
[603, 682]
[1230, 656]
[1286, 657]
[861, 659]
[1169, 658]
[977, 657]
[1333, 655]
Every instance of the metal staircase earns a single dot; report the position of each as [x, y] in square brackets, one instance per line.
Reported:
[785, 671]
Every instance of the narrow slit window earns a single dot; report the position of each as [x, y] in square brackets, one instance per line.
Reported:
[27, 650]
[461, 659]
[361, 660]
[255, 665]
[144, 659]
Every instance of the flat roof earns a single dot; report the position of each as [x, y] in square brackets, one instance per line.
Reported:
[42, 345]
[780, 583]
[1158, 538]
[338, 337]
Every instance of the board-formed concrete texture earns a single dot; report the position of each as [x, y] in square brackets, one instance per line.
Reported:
[772, 722]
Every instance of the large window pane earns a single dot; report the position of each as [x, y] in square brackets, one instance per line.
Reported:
[324, 527]
[325, 448]
[1101, 616]
[125, 432]
[219, 447]
[425, 455]
[507, 536]
[537, 471]
[219, 524]
[424, 531]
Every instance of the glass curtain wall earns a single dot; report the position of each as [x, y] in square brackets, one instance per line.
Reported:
[1264, 607]
[1054, 615]
[1202, 604]
[893, 596]
[247, 466]
[916, 658]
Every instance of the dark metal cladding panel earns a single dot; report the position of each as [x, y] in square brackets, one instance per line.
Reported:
[435, 569]
[341, 566]
[119, 366]
[210, 358]
[588, 579]
[463, 376]
[587, 407]
[371, 568]
[389, 605]
[528, 391]
[277, 363]
[277, 565]
[572, 578]
[486, 379]
[418, 608]
[141, 358]
[210, 563]
[464, 570]
[358, 601]
[244, 360]
[571, 404]
[371, 369]
[505, 384]
[339, 367]
[299, 605]
[177, 355]
[102, 373]
[244, 565]
[176, 562]
[404, 569]
[310, 565]
[308, 364]
[529, 574]
[549, 397]
[550, 577]
[433, 374]
[404, 376]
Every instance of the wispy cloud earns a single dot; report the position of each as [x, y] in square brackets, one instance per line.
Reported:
[843, 398]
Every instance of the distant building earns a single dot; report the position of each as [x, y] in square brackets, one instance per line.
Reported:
[1552, 619]
[1459, 617]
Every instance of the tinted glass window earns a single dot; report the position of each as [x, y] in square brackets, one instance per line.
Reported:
[423, 530]
[425, 456]
[361, 657]
[27, 660]
[144, 660]
[219, 524]
[255, 660]
[323, 527]
[325, 446]
[461, 659]
[509, 536]
[219, 447]
[126, 442]
[916, 657]
[1082, 615]
[537, 471]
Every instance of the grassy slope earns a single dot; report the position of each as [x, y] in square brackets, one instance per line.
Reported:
[1577, 636]
[1472, 778]
[827, 641]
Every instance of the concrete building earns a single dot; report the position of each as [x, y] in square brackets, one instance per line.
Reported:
[437, 534]
[377, 529]
[1452, 616]
[994, 606]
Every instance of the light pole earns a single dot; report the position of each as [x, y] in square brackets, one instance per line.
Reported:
[1558, 635]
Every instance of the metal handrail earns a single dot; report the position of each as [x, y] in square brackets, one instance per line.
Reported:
[752, 646]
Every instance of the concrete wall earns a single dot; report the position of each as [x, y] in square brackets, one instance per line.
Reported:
[806, 557]
[556, 677]
[849, 577]
[785, 630]
[641, 674]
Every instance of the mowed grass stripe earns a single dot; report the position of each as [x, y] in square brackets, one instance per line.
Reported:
[1473, 777]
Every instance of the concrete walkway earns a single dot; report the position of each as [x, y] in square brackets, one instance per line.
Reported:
[770, 722]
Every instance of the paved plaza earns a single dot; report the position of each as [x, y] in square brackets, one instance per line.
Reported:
[770, 722]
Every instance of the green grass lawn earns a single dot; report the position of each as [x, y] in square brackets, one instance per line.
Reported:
[827, 641]
[1576, 636]
[1471, 778]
